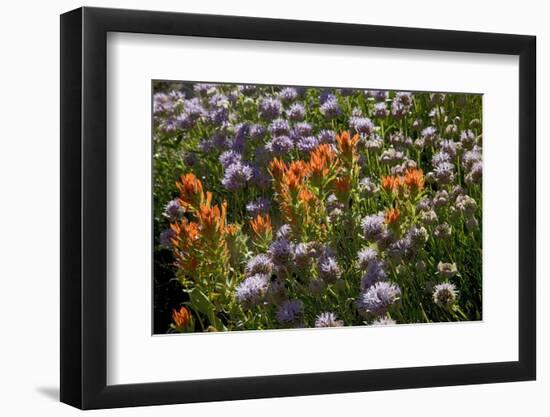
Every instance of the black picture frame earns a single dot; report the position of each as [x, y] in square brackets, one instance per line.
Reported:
[84, 207]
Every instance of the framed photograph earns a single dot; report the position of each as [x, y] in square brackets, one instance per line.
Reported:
[257, 208]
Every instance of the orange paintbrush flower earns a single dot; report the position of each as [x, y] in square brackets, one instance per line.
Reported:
[212, 218]
[181, 319]
[392, 216]
[277, 168]
[261, 225]
[298, 168]
[304, 195]
[190, 189]
[391, 183]
[321, 160]
[347, 145]
[414, 179]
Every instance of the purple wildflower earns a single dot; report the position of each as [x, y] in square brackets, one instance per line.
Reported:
[172, 210]
[259, 264]
[374, 273]
[270, 108]
[366, 256]
[280, 145]
[288, 94]
[290, 312]
[328, 319]
[281, 252]
[380, 110]
[251, 291]
[379, 298]
[445, 295]
[166, 236]
[236, 176]
[373, 226]
[361, 125]
[331, 109]
[279, 127]
[307, 144]
[327, 136]
[296, 112]
[229, 158]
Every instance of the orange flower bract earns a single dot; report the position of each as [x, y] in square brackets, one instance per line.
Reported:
[190, 189]
[181, 318]
[414, 179]
[347, 145]
[392, 216]
[261, 225]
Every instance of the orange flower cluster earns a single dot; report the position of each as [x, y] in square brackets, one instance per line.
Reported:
[321, 160]
[347, 146]
[190, 189]
[392, 216]
[207, 233]
[181, 319]
[261, 226]
[292, 188]
[413, 180]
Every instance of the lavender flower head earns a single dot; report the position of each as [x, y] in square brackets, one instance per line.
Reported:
[256, 131]
[373, 226]
[444, 173]
[281, 252]
[380, 110]
[279, 127]
[361, 125]
[447, 269]
[288, 94]
[428, 134]
[284, 232]
[270, 108]
[328, 319]
[302, 129]
[366, 256]
[259, 264]
[445, 295]
[327, 136]
[379, 298]
[290, 312]
[229, 158]
[296, 112]
[327, 266]
[259, 206]
[172, 210]
[280, 145]
[331, 109]
[303, 255]
[251, 291]
[307, 144]
[449, 147]
[368, 187]
[166, 236]
[383, 321]
[375, 272]
[237, 176]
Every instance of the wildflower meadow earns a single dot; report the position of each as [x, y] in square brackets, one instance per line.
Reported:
[292, 207]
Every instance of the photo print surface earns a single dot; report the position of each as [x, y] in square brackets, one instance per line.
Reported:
[284, 207]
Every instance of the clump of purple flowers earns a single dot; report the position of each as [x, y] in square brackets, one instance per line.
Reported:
[236, 176]
[290, 313]
[378, 298]
[328, 319]
[251, 291]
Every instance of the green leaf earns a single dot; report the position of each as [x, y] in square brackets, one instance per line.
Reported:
[201, 302]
